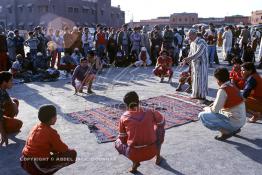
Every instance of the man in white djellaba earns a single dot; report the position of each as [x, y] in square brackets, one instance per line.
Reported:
[227, 43]
[198, 58]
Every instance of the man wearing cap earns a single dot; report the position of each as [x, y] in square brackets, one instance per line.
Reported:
[198, 58]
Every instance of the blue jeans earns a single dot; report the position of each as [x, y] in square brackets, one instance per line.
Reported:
[211, 54]
[216, 122]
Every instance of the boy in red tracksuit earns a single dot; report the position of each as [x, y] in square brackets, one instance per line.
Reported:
[45, 153]
[235, 75]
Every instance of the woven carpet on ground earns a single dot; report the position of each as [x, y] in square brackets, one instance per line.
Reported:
[103, 121]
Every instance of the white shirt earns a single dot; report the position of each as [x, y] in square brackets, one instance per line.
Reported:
[236, 114]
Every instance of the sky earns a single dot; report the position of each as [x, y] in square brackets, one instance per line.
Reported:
[148, 9]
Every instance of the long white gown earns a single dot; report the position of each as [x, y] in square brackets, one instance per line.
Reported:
[227, 43]
[198, 57]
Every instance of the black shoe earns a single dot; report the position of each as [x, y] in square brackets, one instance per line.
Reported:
[90, 91]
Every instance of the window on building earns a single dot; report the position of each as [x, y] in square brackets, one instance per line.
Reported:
[21, 9]
[10, 10]
[30, 9]
[193, 19]
[1, 9]
[76, 10]
[179, 19]
[261, 17]
[70, 9]
[185, 19]
[85, 10]
[93, 11]
[102, 12]
[43, 8]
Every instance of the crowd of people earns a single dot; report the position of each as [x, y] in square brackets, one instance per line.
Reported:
[82, 54]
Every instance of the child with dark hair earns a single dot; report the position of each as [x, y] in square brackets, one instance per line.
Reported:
[44, 152]
[235, 74]
[252, 91]
[164, 66]
[185, 77]
[227, 114]
[8, 109]
[141, 133]
[83, 75]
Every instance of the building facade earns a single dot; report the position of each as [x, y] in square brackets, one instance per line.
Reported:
[237, 19]
[24, 14]
[256, 17]
[183, 19]
[215, 21]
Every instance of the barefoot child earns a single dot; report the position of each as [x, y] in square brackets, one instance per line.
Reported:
[164, 66]
[44, 152]
[141, 132]
[235, 75]
[82, 76]
[8, 109]
[228, 113]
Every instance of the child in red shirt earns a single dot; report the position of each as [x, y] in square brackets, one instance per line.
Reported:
[235, 75]
[164, 66]
[44, 152]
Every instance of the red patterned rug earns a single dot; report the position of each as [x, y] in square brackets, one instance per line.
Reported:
[103, 122]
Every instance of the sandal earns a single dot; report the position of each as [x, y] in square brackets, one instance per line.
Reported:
[254, 119]
[223, 137]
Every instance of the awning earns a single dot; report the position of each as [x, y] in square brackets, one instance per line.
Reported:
[30, 24]
[21, 24]
[21, 5]
[86, 7]
[10, 24]
[29, 5]
[86, 24]
[93, 8]
[9, 6]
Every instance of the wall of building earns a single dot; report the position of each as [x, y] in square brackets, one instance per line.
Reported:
[256, 17]
[237, 20]
[29, 13]
[184, 19]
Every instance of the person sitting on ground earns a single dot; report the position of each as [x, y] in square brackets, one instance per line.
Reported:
[76, 55]
[8, 109]
[83, 76]
[143, 58]
[228, 113]
[19, 70]
[235, 74]
[67, 63]
[44, 152]
[41, 62]
[248, 53]
[185, 77]
[235, 52]
[141, 132]
[164, 66]
[252, 91]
